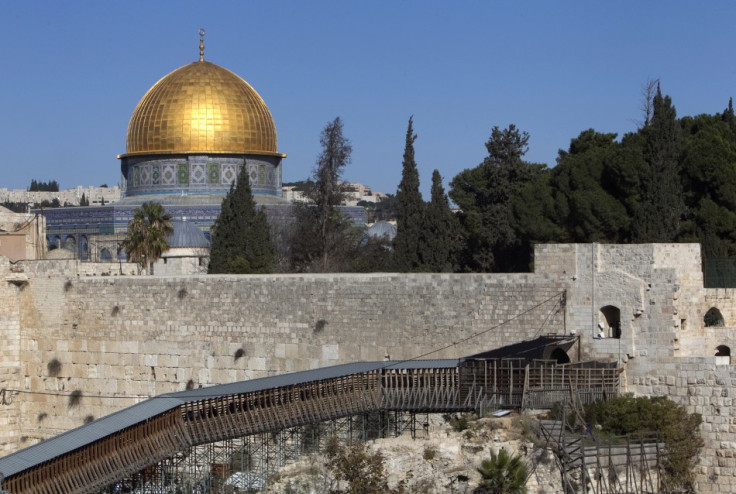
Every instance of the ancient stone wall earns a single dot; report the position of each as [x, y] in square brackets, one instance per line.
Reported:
[10, 354]
[84, 340]
[115, 340]
[705, 387]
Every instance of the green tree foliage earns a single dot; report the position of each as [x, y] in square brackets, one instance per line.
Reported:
[84, 201]
[147, 234]
[326, 190]
[322, 237]
[241, 240]
[502, 474]
[307, 246]
[53, 203]
[587, 207]
[385, 209]
[534, 217]
[50, 186]
[485, 197]
[709, 168]
[662, 206]
[439, 231]
[16, 207]
[679, 430]
[358, 469]
[410, 210]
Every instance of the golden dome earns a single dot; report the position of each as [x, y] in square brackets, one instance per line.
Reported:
[201, 108]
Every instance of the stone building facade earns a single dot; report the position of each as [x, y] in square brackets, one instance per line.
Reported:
[84, 340]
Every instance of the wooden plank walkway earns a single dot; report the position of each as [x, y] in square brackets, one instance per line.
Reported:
[509, 383]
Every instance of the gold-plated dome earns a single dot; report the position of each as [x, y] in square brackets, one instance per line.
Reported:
[201, 108]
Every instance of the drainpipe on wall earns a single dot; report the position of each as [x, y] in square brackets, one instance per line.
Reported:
[592, 285]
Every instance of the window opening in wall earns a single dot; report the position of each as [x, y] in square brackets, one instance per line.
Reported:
[724, 352]
[683, 324]
[610, 317]
[713, 318]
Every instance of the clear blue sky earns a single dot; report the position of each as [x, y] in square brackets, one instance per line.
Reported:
[73, 72]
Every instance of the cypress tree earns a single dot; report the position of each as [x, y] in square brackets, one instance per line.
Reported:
[438, 232]
[662, 206]
[241, 240]
[410, 210]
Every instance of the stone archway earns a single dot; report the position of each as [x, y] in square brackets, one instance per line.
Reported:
[610, 317]
[84, 248]
[560, 356]
[723, 354]
[70, 243]
[714, 318]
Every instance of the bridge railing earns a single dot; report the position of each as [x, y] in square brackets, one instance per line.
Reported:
[471, 385]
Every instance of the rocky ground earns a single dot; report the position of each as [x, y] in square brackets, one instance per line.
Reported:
[444, 461]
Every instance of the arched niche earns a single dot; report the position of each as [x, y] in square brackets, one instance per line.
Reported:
[105, 255]
[84, 248]
[723, 355]
[610, 317]
[560, 356]
[723, 351]
[122, 256]
[713, 318]
[70, 243]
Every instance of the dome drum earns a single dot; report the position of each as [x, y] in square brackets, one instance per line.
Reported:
[199, 174]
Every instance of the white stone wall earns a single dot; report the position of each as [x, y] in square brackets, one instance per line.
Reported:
[10, 355]
[95, 195]
[122, 338]
[705, 387]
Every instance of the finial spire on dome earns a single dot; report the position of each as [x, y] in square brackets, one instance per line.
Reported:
[201, 44]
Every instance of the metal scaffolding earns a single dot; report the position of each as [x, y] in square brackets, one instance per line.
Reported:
[265, 423]
[246, 463]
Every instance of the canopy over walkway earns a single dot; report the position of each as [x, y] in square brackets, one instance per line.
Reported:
[98, 454]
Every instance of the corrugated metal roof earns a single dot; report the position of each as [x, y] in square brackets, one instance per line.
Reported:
[128, 417]
[529, 349]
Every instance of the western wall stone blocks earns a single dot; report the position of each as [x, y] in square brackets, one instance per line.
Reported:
[145, 328]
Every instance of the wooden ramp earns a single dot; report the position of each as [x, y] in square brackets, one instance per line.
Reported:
[620, 465]
[96, 455]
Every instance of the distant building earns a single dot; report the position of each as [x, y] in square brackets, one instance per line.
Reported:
[187, 140]
[354, 193]
[22, 235]
[71, 197]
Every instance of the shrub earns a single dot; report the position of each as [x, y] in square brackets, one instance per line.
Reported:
[54, 367]
[503, 473]
[75, 398]
[679, 430]
[429, 453]
[458, 423]
[359, 468]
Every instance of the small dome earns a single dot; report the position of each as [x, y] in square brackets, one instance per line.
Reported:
[201, 108]
[187, 236]
[382, 229]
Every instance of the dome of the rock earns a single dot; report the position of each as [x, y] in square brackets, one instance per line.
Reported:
[201, 108]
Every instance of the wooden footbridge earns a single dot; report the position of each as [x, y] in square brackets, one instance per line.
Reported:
[97, 455]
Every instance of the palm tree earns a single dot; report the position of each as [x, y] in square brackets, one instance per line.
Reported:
[503, 473]
[147, 233]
